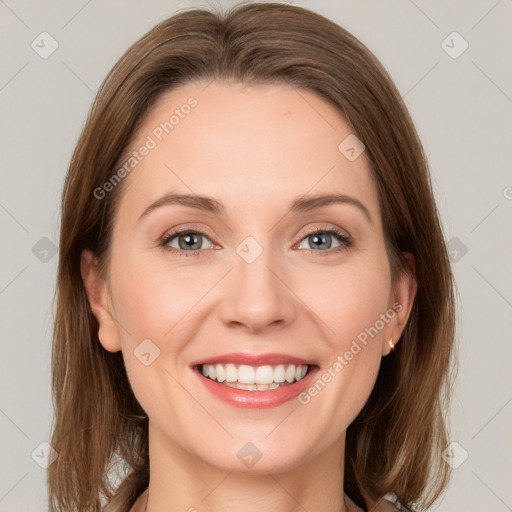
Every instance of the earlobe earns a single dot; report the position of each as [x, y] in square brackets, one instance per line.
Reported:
[97, 294]
[404, 295]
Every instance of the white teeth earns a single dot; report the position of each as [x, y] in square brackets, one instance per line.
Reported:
[252, 387]
[279, 373]
[246, 374]
[220, 373]
[254, 378]
[264, 375]
[290, 373]
[231, 373]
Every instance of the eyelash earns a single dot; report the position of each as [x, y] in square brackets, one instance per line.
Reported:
[345, 241]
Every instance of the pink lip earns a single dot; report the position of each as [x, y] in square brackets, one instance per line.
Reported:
[254, 360]
[257, 399]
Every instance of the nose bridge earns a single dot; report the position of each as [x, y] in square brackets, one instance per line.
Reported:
[256, 296]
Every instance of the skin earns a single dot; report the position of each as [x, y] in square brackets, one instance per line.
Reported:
[254, 149]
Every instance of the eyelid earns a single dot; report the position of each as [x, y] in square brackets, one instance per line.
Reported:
[322, 228]
[192, 227]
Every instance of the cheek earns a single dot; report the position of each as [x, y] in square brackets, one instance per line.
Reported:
[152, 298]
[342, 385]
[154, 302]
[349, 300]
[361, 320]
[350, 308]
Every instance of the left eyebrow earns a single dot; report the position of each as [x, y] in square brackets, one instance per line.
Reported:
[310, 203]
[209, 204]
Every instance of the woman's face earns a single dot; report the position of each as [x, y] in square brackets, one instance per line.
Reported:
[247, 293]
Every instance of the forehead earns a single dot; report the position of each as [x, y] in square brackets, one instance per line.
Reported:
[250, 146]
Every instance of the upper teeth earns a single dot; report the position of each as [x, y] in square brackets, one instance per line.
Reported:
[245, 374]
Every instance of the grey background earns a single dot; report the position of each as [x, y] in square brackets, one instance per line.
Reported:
[461, 107]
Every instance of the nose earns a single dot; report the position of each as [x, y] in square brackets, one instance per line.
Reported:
[258, 295]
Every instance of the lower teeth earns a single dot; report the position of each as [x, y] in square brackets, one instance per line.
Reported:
[253, 387]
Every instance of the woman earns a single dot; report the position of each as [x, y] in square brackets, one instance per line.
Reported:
[255, 304]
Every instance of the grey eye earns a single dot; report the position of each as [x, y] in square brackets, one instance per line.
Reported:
[322, 240]
[187, 241]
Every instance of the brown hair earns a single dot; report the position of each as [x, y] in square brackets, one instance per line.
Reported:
[395, 443]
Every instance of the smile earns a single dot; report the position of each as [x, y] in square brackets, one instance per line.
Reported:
[257, 381]
[254, 378]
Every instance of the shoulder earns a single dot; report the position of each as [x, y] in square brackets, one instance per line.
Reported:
[390, 503]
[386, 506]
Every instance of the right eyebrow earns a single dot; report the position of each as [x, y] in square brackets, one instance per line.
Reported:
[191, 200]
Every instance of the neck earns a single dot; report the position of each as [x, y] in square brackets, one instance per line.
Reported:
[181, 481]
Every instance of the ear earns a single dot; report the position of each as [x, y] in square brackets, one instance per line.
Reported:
[99, 300]
[402, 301]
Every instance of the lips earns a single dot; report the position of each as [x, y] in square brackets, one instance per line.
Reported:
[255, 381]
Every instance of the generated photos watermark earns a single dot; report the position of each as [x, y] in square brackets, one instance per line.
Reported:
[342, 360]
[157, 135]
